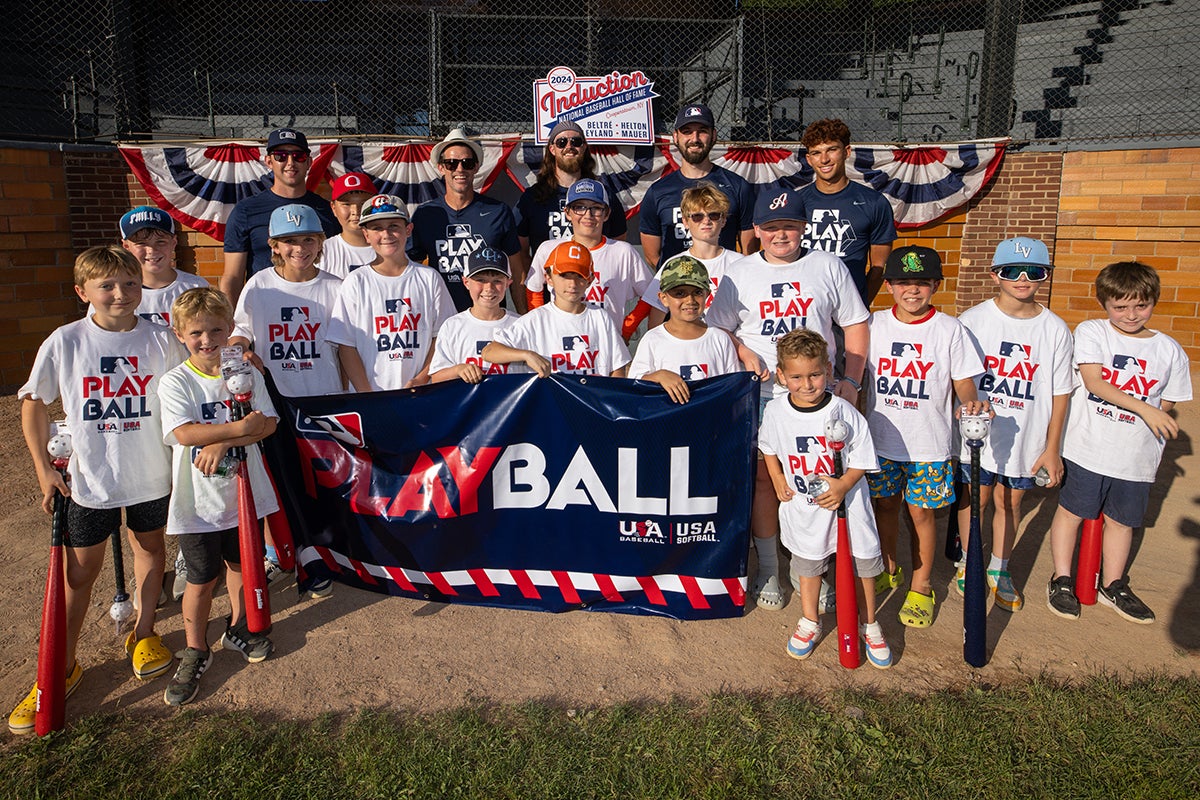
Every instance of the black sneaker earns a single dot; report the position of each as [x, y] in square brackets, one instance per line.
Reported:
[186, 683]
[1127, 604]
[1060, 596]
[254, 647]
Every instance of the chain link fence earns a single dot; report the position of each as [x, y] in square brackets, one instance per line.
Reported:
[895, 70]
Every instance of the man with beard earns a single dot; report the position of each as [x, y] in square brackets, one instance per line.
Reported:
[662, 229]
[246, 248]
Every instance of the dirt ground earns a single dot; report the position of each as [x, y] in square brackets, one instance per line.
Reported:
[357, 649]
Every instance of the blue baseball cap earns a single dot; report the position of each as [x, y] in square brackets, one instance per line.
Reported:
[294, 219]
[135, 219]
[282, 136]
[487, 259]
[587, 189]
[1023, 251]
[697, 112]
[777, 202]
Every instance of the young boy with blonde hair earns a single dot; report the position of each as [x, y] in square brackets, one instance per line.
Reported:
[106, 369]
[793, 430]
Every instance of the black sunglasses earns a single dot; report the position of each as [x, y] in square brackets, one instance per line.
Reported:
[452, 164]
[282, 156]
[699, 216]
[563, 141]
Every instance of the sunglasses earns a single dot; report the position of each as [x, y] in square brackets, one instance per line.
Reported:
[711, 216]
[563, 141]
[1031, 273]
[452, 164]
[282, 156]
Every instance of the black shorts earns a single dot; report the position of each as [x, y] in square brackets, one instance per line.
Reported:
[205, 554]
[91, 526]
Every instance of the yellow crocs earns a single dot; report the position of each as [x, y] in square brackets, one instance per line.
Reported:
[917, 611]
[22, 718]
[150, 656]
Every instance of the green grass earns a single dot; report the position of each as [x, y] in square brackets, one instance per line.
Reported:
[1103, 738]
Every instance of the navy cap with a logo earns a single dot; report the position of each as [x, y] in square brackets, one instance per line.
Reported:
[697, 112]
[777, 202]
[135, 219]
[281, 136]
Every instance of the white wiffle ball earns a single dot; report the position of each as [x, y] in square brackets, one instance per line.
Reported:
[59, 445]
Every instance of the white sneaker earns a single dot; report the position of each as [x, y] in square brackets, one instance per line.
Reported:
[879, 655]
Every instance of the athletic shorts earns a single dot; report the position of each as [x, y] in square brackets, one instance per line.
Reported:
[1088, 494]
[91, 526]
[926, 484]
[812, 568]
[205, 554]
[991, 478]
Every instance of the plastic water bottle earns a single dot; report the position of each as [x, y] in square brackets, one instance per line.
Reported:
[226, 468]
[1042, 477]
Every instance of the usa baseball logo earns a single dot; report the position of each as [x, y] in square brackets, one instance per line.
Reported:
[118, 365]
[790, 289]
[293, 314]
[906, 349]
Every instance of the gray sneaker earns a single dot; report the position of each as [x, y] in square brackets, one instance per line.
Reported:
[1118, 595]
[322, 587]
[186, 683]
[1060, 596]
[180, 579]
[254, 647]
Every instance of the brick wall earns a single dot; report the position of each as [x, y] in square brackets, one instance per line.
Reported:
[1125, 205]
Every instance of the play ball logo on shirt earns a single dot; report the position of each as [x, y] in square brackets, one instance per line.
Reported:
[790, 289]
[693, 372]
[575, 343]
[397, 305]
[293, 314]
[1008, 381]
[118, 365]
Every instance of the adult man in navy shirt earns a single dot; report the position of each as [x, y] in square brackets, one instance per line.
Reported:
[246, 248]
[662, 231]
[450, 228]
[541, 211]
[848, 219]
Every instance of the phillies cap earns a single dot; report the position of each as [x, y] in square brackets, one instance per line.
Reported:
[282, 136]
[777, 202]
[913, 263]
[684, 270]
[145, 217]
[487, 259]
[382, 206]
[456, 137]
[294, 219]
[570, 257]
[695, 113]
[565, 126]
[587, 189]
[352, 182]
[1023, 251]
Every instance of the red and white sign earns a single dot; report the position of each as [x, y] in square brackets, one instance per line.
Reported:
[611, 109]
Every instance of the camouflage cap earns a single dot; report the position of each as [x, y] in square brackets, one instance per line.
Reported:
[684, 271]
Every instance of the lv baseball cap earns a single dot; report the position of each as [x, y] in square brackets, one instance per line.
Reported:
[352, 182]
[913, 263]
[777, 202]
[695, 113]
[587, 189]
[1023, 251]
[570, 257]
[684, 270]
[487, 259]
[282, 136]
[293, 219]
[382, 206]
[135, 219]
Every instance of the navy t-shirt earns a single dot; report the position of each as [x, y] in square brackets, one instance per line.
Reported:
[246, 230]
[446, 237]
[661, 216]
[543, 221]
[846, 223]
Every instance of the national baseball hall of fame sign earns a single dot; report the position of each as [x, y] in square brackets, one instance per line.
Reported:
[611, 109]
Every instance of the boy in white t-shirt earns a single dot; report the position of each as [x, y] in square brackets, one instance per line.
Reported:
[705, 211]
[460, 343]
[388, 314]
[106, 369]
[204, 504]
[793, 430]
[149, 234]
[567, 335]
[619, 273]
[920, 359]
[1119, 418]
[346, 252]
[1028, 378]
[762, 297]
[684, 349]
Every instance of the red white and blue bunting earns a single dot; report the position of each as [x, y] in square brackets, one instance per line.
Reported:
[198, 184]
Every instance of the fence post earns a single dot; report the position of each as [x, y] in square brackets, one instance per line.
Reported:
[997, 77]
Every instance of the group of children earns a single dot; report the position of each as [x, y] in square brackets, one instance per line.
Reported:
[135, 406]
